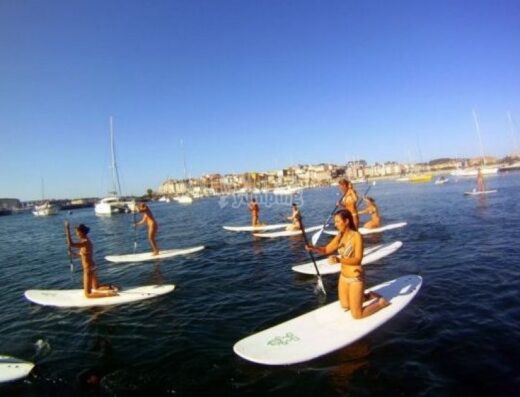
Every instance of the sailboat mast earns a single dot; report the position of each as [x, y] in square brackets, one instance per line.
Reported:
[116, 186]
[475, 117]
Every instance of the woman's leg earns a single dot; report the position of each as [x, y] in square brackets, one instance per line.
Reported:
[152, 232]
[356, 302]
[92, 289]
[369, 225]
[343, 293]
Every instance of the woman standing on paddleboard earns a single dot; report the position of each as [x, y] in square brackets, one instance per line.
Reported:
[152, 226]
[480, 181]
[350, 198]
[351, 285]
[255, 211]
[91, 286]
[371, 209]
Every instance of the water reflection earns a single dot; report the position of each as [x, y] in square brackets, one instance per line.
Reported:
[348, 361]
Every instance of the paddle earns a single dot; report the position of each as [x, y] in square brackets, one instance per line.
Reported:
[364, 195]
[135, 233]
[316, 236]
[320, 285]
[69, 251]
[70, 260]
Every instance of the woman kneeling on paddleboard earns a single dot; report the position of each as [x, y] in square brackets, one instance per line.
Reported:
[371, 209]
[351, 285]
[91, 285]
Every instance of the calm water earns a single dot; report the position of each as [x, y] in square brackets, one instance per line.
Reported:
[459, 335]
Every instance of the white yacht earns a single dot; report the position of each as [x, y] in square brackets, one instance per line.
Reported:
[185, 199]
[286, 190]
[114, 203]
[474, 171]
[45, 209]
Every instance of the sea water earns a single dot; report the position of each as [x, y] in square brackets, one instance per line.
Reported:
[458, 336]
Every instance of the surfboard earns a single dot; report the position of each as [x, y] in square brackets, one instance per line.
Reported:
[326, 329]
[258, 228]
[147, 256]
[371, 255]
[76, 297]
[365, 231]
[286, 233]
[12, 368]
[479, 193]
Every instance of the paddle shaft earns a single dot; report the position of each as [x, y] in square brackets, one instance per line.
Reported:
[135, 233]
[364, 195]
[310, 253]
[69, 249]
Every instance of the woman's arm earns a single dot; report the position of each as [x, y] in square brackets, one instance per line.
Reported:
[325, 249]
[70, 243]
[142, 221]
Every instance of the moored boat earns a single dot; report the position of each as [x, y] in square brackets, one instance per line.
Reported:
[46, 209]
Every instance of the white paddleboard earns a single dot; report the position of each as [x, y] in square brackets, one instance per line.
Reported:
[12, 368]
[147, 256]
[258, 228]
[324, 330]
[479, 193]
[371, 255]
[365, 231]
[76, 297]
[286, 233]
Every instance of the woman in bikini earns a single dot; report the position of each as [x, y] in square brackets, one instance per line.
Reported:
[351, 285]
[371, 209]
[151, 223]
[91, 286]
[350, 199]
[255, 212]
[294, 218]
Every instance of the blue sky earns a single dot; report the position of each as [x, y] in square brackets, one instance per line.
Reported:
[247, 85]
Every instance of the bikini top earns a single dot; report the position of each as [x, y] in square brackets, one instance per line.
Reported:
[346, 250]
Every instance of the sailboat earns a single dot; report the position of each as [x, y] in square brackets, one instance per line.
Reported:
[184, 198]
[514, 166]
[483, 169]
[46, 208]
[114, 203]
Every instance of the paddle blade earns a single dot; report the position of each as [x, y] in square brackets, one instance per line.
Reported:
[320, 287]
[316, 236]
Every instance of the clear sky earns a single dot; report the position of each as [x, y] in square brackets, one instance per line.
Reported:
[248, 85]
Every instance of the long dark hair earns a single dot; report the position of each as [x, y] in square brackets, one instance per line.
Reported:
[347, 215]
[83, 229]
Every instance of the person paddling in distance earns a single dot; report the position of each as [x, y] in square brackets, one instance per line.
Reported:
[150, 221]
[294, 218]
[254, 208]
[351, 285]
[371, 209]
[91, 286]
[350, 199]
[480, 181]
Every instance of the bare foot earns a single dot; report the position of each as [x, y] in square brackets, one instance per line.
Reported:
[383, 303]
[108, 287]
[371, 295]
[155, 253]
